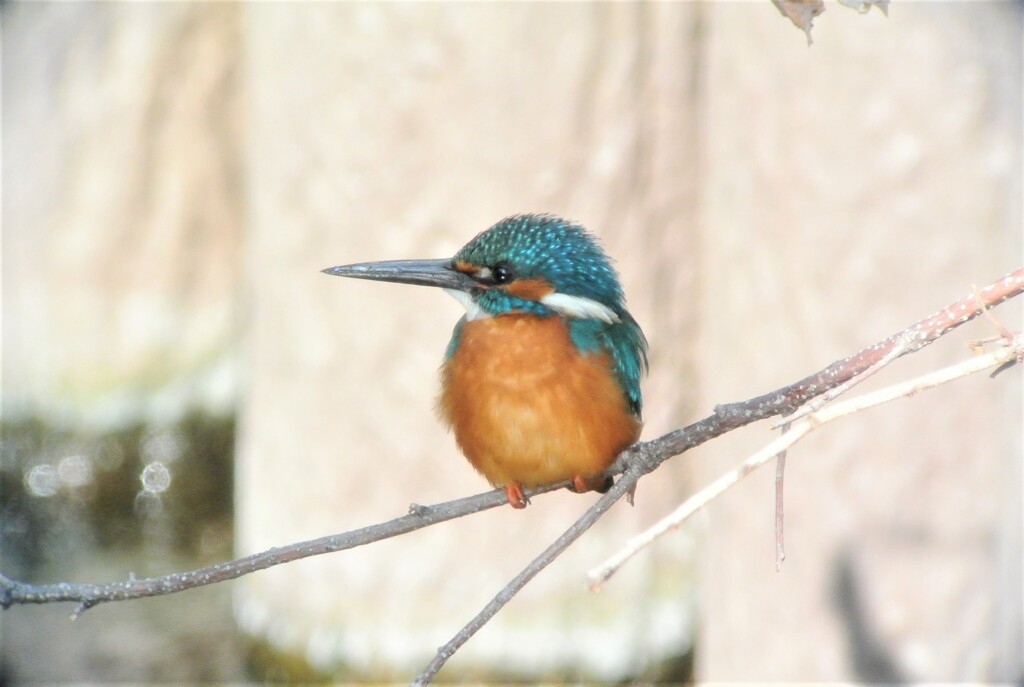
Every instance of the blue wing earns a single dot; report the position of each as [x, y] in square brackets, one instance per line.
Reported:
[625, 342]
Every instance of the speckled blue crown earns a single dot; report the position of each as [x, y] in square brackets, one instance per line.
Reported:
[549, 247]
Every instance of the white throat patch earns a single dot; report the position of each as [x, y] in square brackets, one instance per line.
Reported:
[473, 311]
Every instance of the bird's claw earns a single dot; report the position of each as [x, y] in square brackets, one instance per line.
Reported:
[598, 483]
[515, 496]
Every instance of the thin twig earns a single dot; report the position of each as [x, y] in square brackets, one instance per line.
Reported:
[1004, 332]
[818, 403]
[910, 340]
[591, 516]
[780, 475]
[600, 573]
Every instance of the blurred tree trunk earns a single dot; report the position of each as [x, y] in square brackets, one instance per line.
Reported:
[390, 131]
[771, 207]
[851, 189]
[122, 210]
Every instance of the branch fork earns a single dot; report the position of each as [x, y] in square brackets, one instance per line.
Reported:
[796, 400]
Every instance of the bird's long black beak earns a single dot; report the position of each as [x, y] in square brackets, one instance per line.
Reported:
[439, 273]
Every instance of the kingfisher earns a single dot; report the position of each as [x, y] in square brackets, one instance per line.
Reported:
[541, 379]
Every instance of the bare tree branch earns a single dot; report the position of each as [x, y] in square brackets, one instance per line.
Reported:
[647, 456]
[88, 595]
[786, 400]
[633, 463]
[592, 515]
[780, 476]
[817, 403]
[807, 409]
[798, 430]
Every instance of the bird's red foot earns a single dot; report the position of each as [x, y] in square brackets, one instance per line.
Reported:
[599, 483]
[514, 493]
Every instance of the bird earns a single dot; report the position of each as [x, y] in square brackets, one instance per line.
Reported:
[540, 382]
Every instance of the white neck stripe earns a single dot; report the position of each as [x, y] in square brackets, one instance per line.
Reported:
[580, 308]
[576, 307]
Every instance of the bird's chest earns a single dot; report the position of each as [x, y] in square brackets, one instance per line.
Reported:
[526, 406]
[510, 359]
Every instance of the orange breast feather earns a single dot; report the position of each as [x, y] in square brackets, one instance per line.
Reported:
[526, 407]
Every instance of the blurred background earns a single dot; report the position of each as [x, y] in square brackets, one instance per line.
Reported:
[181, 384]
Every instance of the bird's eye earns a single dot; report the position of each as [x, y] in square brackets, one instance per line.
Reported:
[502, 273]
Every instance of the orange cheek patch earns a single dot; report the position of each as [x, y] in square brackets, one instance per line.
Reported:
[529, 289]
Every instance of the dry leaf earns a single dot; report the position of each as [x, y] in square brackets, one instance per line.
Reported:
[803, 12]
